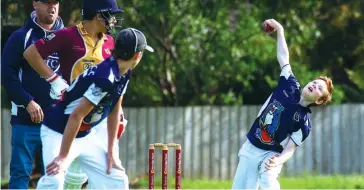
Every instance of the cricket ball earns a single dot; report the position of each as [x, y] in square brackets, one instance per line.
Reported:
[267, 28]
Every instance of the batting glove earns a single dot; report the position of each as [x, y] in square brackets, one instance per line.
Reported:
[58, 86]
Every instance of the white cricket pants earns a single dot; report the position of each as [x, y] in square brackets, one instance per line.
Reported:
[74, 172]
[101, 133]
[92, 155]
[251, 174]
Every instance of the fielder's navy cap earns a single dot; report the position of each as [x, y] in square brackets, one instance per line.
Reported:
[129, 41]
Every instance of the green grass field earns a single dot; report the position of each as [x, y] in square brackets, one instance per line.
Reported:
[304, 182]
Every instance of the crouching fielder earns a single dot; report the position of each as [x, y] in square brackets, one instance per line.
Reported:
[96, 94]
[283, 123]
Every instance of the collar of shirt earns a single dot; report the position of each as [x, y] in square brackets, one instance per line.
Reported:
[84, 32]
[306, 109]
[303, 109]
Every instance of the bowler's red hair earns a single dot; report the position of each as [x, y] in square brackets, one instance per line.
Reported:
[326, 98]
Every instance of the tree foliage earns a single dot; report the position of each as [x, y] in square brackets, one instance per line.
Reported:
[214, 51]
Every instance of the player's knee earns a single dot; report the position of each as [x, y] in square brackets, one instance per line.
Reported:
[51, 182]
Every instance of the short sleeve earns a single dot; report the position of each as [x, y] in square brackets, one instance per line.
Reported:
[98, 90]
[302, 131]
[288, 82]
[52, 43]
[286, 71]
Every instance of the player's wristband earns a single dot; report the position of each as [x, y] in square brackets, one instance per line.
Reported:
[52, 78]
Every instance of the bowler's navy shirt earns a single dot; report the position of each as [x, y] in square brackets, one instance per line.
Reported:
[281, 117]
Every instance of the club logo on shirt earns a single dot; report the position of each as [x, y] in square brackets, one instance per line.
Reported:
[108, 51]
[269, 122]
[87, 63]
[296, 117]
[53, 62]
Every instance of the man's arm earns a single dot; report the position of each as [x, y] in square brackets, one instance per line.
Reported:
[10, 66]
[37, 52]
[286, 154]
[73, 125]
[282, 49]
[41, 49]
[11, 58]
[112, 129]
[112, 125]
[113, 121]
[35, 60]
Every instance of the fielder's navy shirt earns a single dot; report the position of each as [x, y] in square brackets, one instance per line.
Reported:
[102, 85]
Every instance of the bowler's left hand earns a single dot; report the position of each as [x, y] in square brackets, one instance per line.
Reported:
[272, 163]
[56, 166]
[274, 24]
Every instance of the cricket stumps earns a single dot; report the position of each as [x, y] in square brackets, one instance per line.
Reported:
[178, 171]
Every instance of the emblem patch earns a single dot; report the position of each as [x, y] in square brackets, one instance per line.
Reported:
[269, 122]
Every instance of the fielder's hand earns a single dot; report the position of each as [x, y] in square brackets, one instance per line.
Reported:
[58, 86]
[112, 162]
[56, 166]
[35, 111]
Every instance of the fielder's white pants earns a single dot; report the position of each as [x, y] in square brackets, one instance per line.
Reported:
[101, 133]
[75, 177]
[251, 174]
[91, 153]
